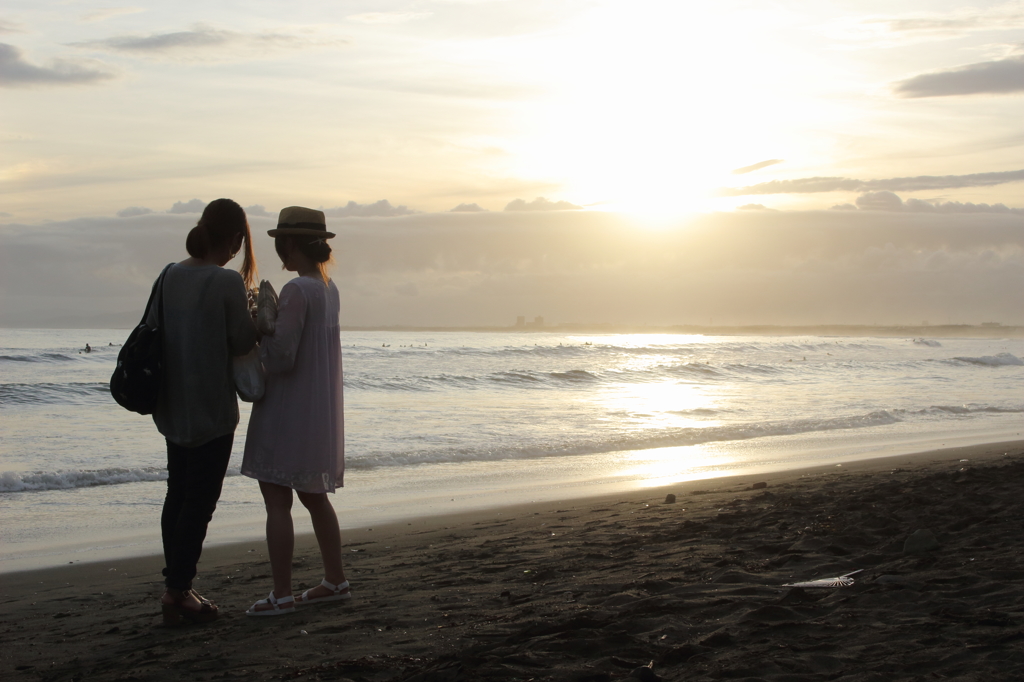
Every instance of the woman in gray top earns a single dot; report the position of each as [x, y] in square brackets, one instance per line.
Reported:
[206, 321]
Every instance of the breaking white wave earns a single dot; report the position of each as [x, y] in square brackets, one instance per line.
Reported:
[15, 481]
[975, 409]
[998, 360]
[660, 438]
[51, 393]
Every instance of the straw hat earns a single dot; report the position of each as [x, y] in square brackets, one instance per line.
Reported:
[299, 220]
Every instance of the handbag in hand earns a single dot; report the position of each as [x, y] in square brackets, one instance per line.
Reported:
[135, 383]
[266, 309]
[247, 371]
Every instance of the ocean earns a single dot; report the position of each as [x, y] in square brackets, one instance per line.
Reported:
[442, 422]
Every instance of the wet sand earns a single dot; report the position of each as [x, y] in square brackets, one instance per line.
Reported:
[594, 589]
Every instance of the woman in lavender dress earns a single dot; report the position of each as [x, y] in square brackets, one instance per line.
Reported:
[296, 437]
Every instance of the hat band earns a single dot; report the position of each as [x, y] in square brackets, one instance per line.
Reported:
[301, 226]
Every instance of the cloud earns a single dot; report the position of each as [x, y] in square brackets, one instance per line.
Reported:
[467, 208]
[843, 207]
[928, 25]
[920, 206]
[914, 184]
[105, 13]
[133, 211]
[888, 201]
[379, 209]
[386, 17]
[754, 207]
[164, 42]
[999, 77]
[259, 211]
[192, 206]
[541, 204]
[757, 166]
[879, 201]
[741, 267]
[16, 72]
[202, 39]
[10, 27]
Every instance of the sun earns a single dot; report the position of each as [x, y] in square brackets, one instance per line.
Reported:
[648, 112]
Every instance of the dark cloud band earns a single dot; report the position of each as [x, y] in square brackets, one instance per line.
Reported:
[378, 209]
[163, 42]
[914, 184]
[1001, 77]
[540, 204]
[15, 71]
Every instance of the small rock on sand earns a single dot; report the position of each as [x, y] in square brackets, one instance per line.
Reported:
[920, 541]
[759, 486]
[670, 499]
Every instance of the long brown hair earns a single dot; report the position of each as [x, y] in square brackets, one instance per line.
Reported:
[315, 249]
[221, 222]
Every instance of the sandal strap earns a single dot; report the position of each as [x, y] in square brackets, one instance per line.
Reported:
[271, 600]
[336, 589]
[202, 600]
[205, 605]
[274, 601]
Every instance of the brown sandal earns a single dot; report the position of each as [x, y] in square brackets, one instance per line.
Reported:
[176, 611]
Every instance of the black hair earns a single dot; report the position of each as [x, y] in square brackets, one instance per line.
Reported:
[221, 222]
[314, 248]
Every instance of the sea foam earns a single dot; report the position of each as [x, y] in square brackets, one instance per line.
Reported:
[16, 482]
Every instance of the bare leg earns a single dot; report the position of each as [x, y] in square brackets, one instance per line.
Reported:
[328, 537]
[280, 536]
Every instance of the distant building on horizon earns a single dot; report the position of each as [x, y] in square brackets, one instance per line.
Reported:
[537, 323]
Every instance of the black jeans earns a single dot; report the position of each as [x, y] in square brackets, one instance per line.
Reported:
[194, 479]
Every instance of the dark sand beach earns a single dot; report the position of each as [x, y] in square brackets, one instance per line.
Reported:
[595, 589]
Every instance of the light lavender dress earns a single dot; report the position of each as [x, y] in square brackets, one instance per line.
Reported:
[296, 434]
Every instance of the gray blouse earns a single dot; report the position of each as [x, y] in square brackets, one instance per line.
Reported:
[205, 322]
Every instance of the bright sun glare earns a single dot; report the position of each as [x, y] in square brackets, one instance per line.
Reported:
[650, 117]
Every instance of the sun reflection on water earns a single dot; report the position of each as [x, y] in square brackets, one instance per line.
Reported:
[664, 466]
[662, 404]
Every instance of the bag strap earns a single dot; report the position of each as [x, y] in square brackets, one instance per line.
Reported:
[159, 286]
[160, 312]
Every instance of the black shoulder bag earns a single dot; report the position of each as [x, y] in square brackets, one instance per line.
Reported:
[135, 383]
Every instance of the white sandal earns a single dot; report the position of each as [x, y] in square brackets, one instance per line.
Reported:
[341, 592]
[275, 603]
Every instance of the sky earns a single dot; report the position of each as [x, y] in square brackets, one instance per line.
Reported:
[588, 161]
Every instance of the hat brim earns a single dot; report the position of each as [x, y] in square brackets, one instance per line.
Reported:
[285, 231]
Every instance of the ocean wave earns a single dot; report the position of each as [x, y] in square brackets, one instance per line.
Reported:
[699, 412]
[579, 349]
[998, 360]
[642, 440]
[68, 479]
[516, 378]
[52, 393]
[659, 438]
[969, 409]
[41, 357]
[689, 372]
